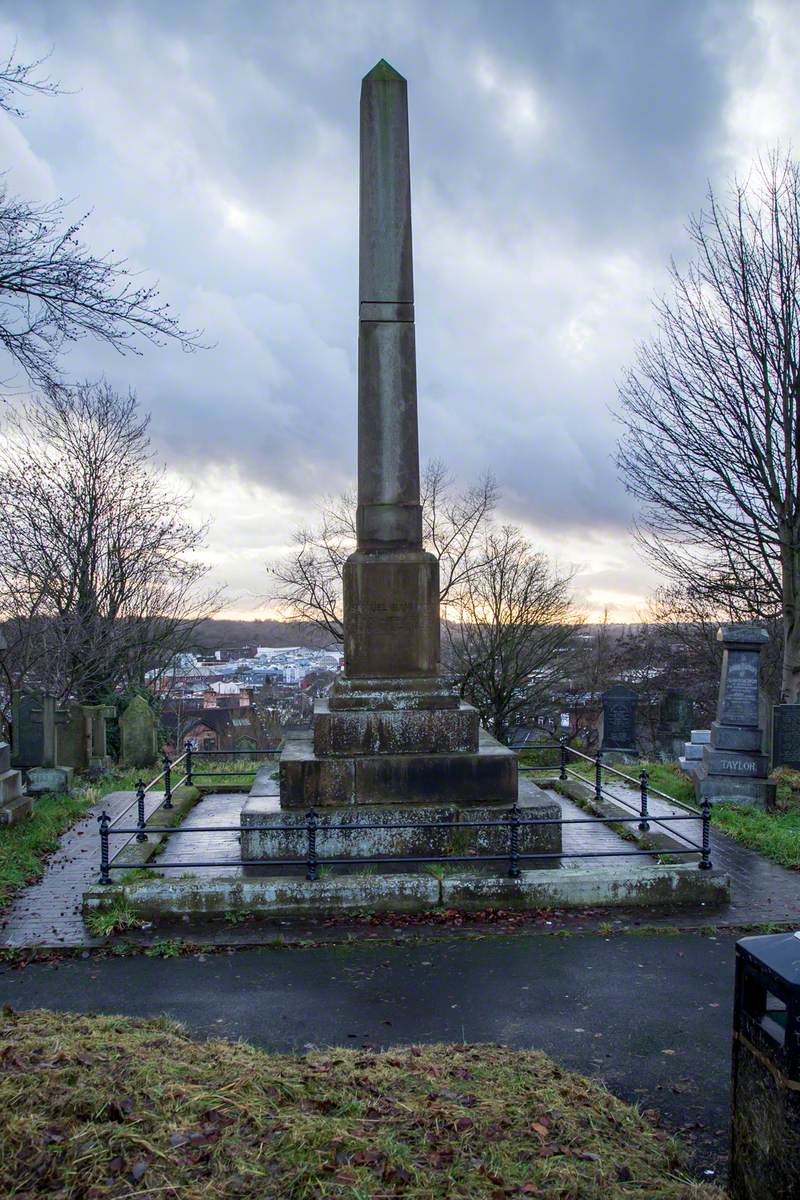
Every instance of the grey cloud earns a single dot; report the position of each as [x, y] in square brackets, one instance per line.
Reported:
[557, 150]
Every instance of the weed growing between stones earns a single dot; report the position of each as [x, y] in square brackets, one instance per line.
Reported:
[117, 918]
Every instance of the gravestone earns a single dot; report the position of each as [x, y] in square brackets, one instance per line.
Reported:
[27, 734]
[393, 730]
[138, 730]
[675, 723]
[71, 739]
[734, 768]
[786, 736]
[49, 776]
[96, 753]
[35, 721]
[619, 719]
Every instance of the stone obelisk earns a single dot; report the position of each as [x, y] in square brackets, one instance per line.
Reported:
[391, 585]
[393, 742]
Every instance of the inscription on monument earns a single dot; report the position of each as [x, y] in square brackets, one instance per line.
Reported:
[786, 735]
[740, 689]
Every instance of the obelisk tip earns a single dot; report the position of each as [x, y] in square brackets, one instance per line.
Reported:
[383, 71]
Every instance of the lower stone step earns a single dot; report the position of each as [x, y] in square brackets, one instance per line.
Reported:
[16, 810]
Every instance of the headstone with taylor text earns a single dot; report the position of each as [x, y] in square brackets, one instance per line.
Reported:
[734, 769]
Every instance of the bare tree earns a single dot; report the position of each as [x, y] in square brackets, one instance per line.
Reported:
[53, 290]
[711, 412]
[99, 573]
[511, 640]
[308, 583]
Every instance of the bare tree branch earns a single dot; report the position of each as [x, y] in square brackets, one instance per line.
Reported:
[307, 584]
[513, 630]
[711, 447]
[23, 78]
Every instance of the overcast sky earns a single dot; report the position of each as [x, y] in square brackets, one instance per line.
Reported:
[557, 150]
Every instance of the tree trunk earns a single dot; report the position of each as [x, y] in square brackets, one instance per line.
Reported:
[790, 682]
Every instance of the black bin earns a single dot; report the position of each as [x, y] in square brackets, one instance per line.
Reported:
[765, 1132]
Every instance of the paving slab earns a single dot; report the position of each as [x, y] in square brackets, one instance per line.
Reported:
[761, 890]
[49, 911]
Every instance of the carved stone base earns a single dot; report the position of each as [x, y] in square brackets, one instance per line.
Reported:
[486, 776]
[395, 731]
[290, 839]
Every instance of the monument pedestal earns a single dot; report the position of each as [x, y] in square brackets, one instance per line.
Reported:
[14, 803]
[407, 840]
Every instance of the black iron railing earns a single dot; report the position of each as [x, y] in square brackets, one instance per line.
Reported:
[514, 823]
[189, 777]
[640, 782]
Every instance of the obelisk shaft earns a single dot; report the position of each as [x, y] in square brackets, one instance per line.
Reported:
[390, 584]
[389, 514]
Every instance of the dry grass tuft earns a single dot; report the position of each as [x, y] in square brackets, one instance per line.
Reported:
[94, 1108]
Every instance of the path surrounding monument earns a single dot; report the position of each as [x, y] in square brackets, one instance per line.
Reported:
[649, 1015]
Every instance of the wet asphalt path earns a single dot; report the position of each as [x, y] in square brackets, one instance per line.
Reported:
[649, 1015]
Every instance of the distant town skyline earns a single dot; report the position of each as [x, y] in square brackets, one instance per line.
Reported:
[557, 152]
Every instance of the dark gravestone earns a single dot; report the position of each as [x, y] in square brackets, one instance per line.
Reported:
[71, 739]
[676, 712]
[786, 735]
[675, 723]
[619, 718]
[27, 732]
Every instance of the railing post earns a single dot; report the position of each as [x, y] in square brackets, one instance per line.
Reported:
[141, 835]
[513, 862]
[104, 819]
[189, 763]
[562, 774]
[311, 830]
[598, 776]
[644, 824]
[167, 781]
[705, 863]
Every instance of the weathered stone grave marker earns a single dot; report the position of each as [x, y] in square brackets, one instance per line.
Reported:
[675, 723]
[36, 719]
[48, 776]
[14, 803]
[27, 735]
[138, 729]
[96, 753]
[71, 738]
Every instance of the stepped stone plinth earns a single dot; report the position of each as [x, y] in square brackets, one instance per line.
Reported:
[15, 805]
[393, 742]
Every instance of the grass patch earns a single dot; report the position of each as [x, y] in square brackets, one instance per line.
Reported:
[109, 1107]
[776, 835]
[226, 772]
